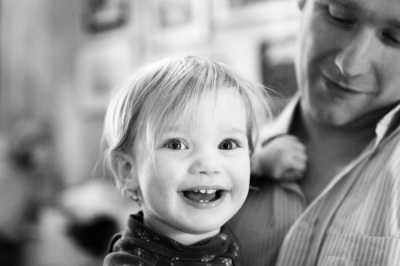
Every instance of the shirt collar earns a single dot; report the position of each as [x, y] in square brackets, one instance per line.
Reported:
[389, 123]
[283, 122]
[140, 238]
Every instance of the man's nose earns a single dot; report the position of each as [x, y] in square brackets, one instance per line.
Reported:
[357, 55]
[206, 162]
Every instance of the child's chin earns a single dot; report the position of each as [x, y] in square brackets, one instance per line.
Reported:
[204, 225]
[206, 229]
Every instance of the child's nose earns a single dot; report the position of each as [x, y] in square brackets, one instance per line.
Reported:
[205, 163]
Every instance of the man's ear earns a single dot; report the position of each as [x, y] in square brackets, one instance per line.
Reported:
[124, 169]
[301, 4]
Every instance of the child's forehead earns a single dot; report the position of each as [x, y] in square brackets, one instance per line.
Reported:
[208, 102]
[200, 132]
[224, 109]
[213, 98]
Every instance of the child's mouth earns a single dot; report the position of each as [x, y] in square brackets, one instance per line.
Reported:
[203, 195]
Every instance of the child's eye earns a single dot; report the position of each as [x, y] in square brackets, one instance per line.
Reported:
[175, 144]
[228, 144]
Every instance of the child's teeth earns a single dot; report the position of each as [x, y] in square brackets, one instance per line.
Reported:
[208, 191]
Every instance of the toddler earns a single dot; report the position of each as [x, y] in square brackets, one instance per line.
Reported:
[180, 133]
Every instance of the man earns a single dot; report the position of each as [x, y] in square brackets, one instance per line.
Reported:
[345, 209]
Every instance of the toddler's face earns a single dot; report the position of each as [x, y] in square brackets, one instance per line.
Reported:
[200, 177]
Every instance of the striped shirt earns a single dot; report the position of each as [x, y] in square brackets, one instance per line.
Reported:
[354, 221]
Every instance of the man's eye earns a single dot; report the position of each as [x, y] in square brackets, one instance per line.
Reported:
[228, 144]
[339, 17]
[175, 144]
[392, 39]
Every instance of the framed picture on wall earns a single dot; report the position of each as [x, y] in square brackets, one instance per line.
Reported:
[278, 70]
[100, 67]
[174, 13]
[241, 3]
[243, 13]
[181, 23]
[104, 15]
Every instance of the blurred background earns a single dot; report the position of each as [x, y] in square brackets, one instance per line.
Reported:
[59, 59]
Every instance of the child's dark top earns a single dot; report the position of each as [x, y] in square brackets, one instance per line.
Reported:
[139, 245]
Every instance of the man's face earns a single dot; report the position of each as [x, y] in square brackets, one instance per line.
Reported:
[348, 64]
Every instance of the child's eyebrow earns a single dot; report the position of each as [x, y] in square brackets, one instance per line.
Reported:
[174, 128]
[225, 130]
[234, 130]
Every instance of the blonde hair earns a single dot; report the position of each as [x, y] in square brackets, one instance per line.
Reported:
[161, 92]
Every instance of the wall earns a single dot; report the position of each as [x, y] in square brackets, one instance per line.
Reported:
[54, 69]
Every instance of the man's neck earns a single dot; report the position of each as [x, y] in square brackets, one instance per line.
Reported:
[329, 150]
[344, 139]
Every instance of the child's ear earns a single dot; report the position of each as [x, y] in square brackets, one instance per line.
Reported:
[124, 169]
